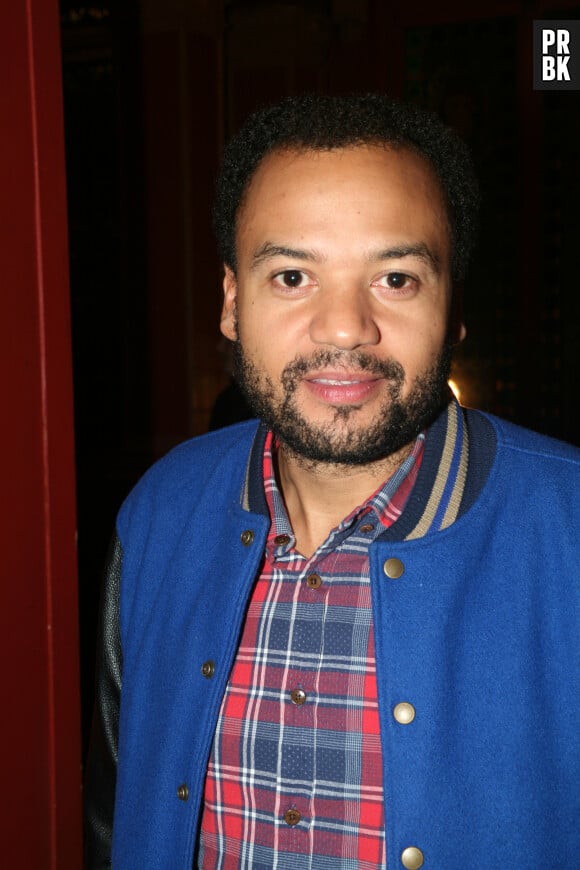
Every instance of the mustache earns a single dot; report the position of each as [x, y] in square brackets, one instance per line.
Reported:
[352, 361]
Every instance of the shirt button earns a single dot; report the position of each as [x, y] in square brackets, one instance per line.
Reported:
[247, 537]
[292, 817]
[404, 713]
[298, 696]
[183, 792]
[282, 540]
[314, 580]
[366, 527]
[393, 568]
[412, 858]
[208, 669]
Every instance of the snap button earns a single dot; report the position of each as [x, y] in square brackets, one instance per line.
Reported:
[247, 537]
[366, 527]
[314, 581]
[412, 858]
[298, 696]
[393, 568]
[404, 713]
[183, 792]
[281, 540]
[292, 817]
[208, 669]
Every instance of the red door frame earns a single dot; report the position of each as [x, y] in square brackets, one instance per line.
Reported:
[39, 722]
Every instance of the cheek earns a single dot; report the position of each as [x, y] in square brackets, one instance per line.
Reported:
[416, 340]
[263, 347]
[268, 336]
[248, 327]
[419, 349]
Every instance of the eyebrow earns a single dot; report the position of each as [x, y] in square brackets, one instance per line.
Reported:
[420, 250]
[268, 251]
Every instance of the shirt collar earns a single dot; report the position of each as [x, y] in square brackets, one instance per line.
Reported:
[385, 504]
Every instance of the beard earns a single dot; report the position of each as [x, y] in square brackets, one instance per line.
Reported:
[397, 422]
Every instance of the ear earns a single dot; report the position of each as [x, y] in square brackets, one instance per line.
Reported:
[228, 320]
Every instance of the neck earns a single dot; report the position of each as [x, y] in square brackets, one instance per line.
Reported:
[319, 495]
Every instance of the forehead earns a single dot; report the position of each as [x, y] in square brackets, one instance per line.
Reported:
[363, 186]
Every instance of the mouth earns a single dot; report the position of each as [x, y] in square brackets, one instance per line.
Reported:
[335, 382]
[343, 388]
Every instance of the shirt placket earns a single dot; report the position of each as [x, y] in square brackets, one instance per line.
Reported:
[313, 596]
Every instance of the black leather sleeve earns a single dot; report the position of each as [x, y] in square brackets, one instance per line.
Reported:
[101, 766]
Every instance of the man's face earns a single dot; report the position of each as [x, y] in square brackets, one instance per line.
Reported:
[339, 305]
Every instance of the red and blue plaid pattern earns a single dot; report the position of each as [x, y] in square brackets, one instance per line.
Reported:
[295, 774]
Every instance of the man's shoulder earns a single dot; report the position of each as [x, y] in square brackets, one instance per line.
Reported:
[200, 453]
[214, 462]
[519, 460]
[516, 438]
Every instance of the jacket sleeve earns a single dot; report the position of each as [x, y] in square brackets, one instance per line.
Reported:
[101, 766]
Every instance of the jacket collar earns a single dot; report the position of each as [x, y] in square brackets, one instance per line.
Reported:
[446, 484]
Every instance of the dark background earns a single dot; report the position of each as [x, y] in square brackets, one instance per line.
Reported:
[151, 90]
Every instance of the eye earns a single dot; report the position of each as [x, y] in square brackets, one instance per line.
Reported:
[396, 280]
[399, 282]
[293, 283]
[291, 278]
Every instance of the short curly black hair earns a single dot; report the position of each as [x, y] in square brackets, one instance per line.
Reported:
[323, 123]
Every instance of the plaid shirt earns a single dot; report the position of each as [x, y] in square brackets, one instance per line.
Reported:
[295, 773]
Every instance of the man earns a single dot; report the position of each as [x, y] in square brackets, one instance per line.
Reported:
[345, 636]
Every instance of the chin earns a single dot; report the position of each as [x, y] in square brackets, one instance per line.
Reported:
[343, 436]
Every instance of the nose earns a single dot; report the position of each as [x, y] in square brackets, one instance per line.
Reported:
[344, 320]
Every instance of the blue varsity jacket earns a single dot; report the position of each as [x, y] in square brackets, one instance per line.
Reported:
[480, 633]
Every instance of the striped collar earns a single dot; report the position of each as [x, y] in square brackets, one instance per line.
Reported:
[443, 504]
[438, 496]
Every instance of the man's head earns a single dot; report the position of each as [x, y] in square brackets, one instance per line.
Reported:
[340, 249]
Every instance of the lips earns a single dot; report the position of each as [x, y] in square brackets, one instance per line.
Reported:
[342, 388]
[337, 383]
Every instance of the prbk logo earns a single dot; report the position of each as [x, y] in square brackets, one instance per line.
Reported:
[556, 55]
